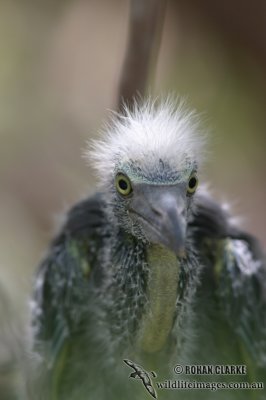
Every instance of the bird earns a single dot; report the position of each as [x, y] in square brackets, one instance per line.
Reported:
[150, 268]
[140, 373]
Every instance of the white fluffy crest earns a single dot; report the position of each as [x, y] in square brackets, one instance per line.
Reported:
[152, 131]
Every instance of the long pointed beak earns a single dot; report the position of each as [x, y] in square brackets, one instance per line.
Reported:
[172, 226]
[162, 213]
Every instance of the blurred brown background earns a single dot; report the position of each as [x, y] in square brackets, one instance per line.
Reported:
[60, 63]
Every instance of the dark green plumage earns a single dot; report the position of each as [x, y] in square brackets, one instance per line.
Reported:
[84, 326]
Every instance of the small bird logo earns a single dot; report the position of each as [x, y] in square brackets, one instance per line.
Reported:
[140, 373]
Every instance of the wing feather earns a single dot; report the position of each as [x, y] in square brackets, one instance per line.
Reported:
[238, 269]
[63, 281]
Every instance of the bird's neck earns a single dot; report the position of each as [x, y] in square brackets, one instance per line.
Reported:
[150, 291]
[162, 291]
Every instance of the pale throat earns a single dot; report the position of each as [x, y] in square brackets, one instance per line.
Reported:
[158, 317]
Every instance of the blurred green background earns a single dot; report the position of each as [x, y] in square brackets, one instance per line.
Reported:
[60, 63]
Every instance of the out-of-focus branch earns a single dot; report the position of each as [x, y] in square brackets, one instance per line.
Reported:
[145, 28]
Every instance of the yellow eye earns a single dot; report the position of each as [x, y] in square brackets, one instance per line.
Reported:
[123, 185]
[192, 184]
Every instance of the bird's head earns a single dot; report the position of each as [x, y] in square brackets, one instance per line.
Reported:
[148, 164]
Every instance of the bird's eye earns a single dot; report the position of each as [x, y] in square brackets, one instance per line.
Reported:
[192, 184]
[123, 185]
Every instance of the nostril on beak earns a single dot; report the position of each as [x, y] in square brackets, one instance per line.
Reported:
[157, 211]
